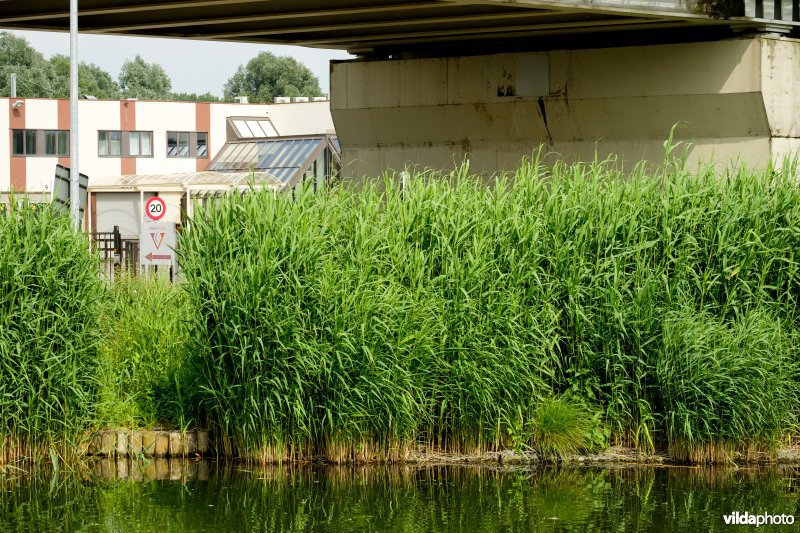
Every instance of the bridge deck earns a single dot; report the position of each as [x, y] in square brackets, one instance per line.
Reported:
[395, 26]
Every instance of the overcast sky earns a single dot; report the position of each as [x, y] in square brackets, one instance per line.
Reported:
[194, 66]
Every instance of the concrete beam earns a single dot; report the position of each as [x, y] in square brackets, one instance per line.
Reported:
[618, 23]
[118, 10]
[377, 25]
[268, 17]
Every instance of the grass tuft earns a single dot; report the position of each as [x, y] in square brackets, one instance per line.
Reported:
[561, 427]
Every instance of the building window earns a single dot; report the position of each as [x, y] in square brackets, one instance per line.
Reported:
[125, 144]
[187, 144]
[56, 143]
[109, 144]
[25, 142]
[140, 143]
[177, 144]
[202, 145]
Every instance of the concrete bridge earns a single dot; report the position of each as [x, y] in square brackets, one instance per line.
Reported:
[436, 80]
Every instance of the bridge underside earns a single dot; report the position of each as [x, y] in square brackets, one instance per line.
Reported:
[421, 27]
[436, 81]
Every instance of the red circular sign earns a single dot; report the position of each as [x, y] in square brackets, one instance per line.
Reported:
[155, 208]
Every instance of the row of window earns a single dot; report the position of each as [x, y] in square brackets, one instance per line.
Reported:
[40, 142]
[110, 143]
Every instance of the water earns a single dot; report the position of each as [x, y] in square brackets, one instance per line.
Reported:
[190, 496]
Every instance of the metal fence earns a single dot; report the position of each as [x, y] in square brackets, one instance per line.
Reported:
[117, 255]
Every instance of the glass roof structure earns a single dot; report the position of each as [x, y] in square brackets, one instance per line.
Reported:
[287, 159]
[279, 164]
[252, 127]
[185, 181]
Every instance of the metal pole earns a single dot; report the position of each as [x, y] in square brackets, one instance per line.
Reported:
[13, 85]
[74, 173]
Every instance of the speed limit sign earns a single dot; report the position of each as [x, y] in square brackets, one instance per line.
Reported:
[155, 208]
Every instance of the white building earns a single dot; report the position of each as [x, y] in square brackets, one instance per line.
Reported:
[120, 139]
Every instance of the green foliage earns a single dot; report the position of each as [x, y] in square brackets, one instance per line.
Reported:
[560, 427]
[92, 80]
[263, 78]
[35, 75]
[721, 381]
[194, 97]
[142, 370]
[352, 323]
[41, 78]
[143, 80]
[49, 295]
[267, 76]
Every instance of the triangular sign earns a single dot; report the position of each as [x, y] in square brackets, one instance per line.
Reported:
[158, 239]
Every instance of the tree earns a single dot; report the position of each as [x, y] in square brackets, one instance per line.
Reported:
[267, 76]
[92, 80]
[38, 77]
[35, 76]
[193, 97]
[147, 81]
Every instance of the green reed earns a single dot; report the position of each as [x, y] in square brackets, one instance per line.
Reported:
[143, 375]
[49, 292]
[355, 324]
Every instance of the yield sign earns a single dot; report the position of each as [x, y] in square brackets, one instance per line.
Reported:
[158, 239]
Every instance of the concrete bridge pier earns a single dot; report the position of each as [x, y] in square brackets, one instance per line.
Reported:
[735, 99]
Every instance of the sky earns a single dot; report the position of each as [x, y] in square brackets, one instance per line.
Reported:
[194, 66]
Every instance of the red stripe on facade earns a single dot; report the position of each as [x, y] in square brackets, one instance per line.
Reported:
[19, 171]
[203, 123]
[127, 122]
[63, 124]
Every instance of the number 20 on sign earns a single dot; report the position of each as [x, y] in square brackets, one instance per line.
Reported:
[155, 208]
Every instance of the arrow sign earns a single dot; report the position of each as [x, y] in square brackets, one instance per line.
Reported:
[153, 257]
[157, 242]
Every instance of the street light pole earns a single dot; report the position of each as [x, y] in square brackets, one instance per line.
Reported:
[74, 172]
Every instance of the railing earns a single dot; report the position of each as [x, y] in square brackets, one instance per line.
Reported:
[117, 255]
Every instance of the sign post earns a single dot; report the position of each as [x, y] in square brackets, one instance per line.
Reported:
[157, 240]
[74, 173]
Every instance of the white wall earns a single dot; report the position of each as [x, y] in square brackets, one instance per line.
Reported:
[93, 116]
[41, 114]
[161, 117]
[307, 118]
[120, 209]
[5, 147]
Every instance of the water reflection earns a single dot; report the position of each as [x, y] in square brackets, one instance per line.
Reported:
[190, 495]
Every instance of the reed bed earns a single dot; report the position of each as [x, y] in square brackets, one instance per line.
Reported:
[355, 324]
[49, 292]
[143, 376]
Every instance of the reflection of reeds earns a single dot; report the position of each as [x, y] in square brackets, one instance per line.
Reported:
[392, 498]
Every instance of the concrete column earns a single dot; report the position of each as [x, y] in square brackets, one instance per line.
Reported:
[734, 99]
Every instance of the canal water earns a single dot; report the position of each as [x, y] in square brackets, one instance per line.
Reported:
[208, 496]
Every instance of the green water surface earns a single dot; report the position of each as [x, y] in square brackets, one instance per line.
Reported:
[228, 497]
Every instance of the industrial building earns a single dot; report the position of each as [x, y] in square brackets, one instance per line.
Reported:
[132, 150]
